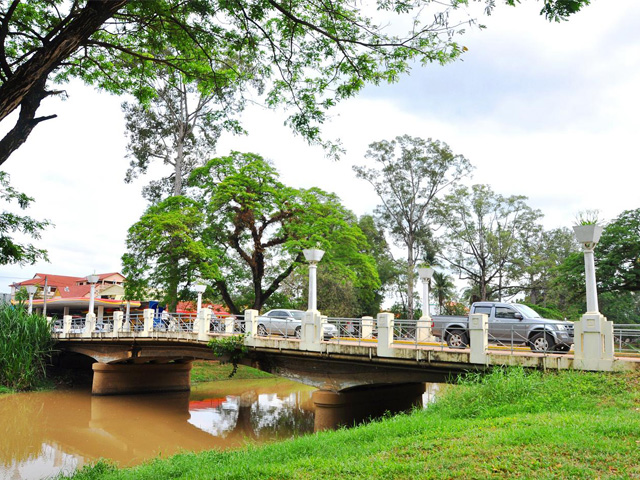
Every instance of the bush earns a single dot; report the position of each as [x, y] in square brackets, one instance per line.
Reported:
[25, 347]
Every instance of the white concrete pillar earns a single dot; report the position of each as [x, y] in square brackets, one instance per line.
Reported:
[205, 324]
[385, 334]
[100, 314]
[229, 324]
[117, 323]
[313, 295]
[423, 330]
[89, 325]
[92, 297]
[590, 279]
[593, 343]
[251, 323]
[311, 334]
[367, 327]
[478, 337]
[66, 325]
[65, 311]
[147, 315]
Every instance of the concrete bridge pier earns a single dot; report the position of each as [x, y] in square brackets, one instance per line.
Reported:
[126, 378]
[334, 409]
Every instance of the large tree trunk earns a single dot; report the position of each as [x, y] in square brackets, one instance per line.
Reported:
[18, 89]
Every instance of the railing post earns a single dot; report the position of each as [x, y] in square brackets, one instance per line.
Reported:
[311, 333]
[117, 323]
[251, 323]
[367, 327]
[147, 315]
[478, 337]
[593, 343]
[89, 325]
[385, 334]
[205, 324]
[229, 324]
[66, 325]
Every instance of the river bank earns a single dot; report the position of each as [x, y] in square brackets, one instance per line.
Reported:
[510, 424]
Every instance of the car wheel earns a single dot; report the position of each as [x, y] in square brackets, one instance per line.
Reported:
[542, 342]
[262, 331]
[298, 332]
[457, 339]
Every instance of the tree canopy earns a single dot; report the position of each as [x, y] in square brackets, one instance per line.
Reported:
[260, 227]
[11, 251]
[305, 55]
[409, 173]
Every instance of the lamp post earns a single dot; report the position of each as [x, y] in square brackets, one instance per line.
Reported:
[92, 279]
[426, 273]
[31, 290]
[200, 290]
[313, 256]
[588, 236]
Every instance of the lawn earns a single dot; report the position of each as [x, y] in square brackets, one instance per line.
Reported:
[509, 424]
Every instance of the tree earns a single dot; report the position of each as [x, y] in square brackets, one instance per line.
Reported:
[411, 172]
[259, 226]
[10, 223]
[443, 289]
[482, 233]
[179, 126]
[311, 54]
[165, 253]
[618, 254]
[539, 253]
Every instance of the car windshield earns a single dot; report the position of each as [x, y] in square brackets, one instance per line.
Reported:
[527, 312]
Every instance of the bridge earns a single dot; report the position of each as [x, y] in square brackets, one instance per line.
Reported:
[147, 352]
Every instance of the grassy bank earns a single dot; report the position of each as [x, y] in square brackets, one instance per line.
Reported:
[213, 371]
[509, 424]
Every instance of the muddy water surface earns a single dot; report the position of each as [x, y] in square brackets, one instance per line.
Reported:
[45, 433]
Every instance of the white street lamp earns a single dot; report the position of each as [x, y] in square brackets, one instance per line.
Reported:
[200, 290]
[31, 290]
[425, 273]
[588, 236]
[313, 256]
[92, 279]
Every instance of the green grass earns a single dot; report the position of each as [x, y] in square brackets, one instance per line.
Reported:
[212, 371]
[509, 424]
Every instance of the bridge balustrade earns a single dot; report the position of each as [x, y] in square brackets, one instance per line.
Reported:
[626, 338]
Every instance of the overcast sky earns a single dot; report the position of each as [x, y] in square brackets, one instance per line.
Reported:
[546, 110]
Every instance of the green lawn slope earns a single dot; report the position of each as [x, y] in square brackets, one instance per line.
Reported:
[508, 424]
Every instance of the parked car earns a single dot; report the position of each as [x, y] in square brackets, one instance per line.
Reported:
[509, 323]
[288, 323]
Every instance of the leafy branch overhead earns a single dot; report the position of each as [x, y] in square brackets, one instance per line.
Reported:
[301, 54]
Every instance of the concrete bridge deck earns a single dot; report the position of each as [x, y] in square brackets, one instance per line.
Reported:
[146, 355]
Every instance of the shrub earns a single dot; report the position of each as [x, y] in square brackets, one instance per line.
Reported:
[25, 347]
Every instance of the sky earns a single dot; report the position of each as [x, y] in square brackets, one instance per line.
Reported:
[545, 110]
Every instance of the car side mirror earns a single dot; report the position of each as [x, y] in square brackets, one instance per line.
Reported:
[517, 316]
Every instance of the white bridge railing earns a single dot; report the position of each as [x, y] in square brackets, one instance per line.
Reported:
[387, 335]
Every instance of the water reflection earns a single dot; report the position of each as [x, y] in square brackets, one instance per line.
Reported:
[44, 433]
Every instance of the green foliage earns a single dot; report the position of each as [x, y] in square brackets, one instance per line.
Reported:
[443, 288]
[259, 226]
[483, 233]
[410, 173]
[25, 347]
[10, 223]
[165, 253]
[587, 217]
[546, 312]
[231, 349]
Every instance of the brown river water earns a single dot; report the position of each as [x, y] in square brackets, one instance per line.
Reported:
[45, 433]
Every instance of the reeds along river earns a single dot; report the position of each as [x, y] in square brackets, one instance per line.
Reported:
[44, 433]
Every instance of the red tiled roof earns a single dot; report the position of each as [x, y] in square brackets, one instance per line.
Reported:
[187, 306]
[69, 291]
[52, 280]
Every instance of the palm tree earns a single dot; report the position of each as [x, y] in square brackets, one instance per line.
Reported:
[443, 288]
